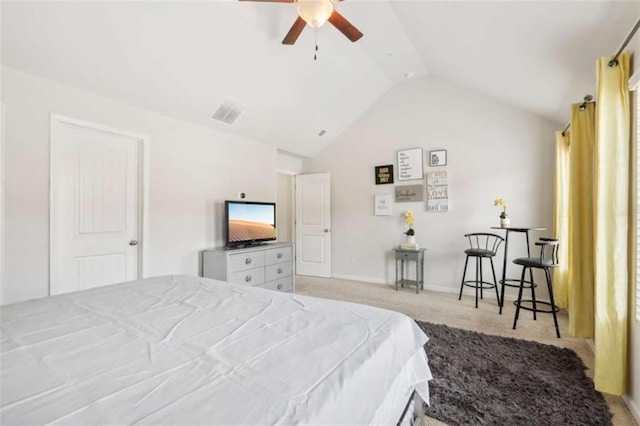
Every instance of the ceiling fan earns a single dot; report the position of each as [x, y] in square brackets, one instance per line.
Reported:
[315, 13]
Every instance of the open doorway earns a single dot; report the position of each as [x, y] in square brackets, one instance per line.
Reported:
[285, 212]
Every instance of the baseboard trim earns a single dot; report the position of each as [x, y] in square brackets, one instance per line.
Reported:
[360, 278]
[633, 408]
[439, 289]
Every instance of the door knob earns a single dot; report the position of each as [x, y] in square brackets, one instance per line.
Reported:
[133, 243]
[326, 230]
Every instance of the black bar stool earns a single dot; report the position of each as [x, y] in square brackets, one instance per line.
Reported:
[482, 246]
[545, 261]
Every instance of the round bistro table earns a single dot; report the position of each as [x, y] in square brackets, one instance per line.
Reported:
[514, 282]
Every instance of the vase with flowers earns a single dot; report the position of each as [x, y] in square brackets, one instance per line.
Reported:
[504, 218]
[410, 234]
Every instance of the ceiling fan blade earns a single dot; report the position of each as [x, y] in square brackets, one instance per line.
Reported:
[271, 1]
[295, 31]
[345, 26]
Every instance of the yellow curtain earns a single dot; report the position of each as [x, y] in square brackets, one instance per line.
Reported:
[611, 224]
[581, 240]
[561, 219]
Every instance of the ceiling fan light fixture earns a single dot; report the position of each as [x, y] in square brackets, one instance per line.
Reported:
[315, 12]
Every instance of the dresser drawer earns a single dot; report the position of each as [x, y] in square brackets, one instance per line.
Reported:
[278, 255]
[408, 255]
[244, 261]
[278, 270]
[249, 277]
[282, 284]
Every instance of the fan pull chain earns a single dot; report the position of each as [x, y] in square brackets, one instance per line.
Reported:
[315, 54]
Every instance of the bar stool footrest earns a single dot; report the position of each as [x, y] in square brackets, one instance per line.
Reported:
[551, 308]
[513, 282]
[483, 284]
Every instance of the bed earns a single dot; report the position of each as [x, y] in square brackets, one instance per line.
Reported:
[190, 350]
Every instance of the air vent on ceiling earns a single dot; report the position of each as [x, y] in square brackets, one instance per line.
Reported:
[228, 111]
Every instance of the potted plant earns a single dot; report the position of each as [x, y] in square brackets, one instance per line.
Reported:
[410, 239]
[504, 218]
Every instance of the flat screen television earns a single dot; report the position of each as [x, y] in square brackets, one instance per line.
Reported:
[249, 223]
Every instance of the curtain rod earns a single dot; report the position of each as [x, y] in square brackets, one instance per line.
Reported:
[586, 100]
[614, 61]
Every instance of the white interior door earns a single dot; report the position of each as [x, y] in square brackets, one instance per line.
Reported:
[95, 206]
[313, 224]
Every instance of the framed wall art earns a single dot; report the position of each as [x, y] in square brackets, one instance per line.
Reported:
[410, 164]
[438, 192]
[384, 174]
[409, 193]
[382, 205]
[438, 158]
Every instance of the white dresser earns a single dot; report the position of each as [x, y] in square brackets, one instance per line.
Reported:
[268, 266]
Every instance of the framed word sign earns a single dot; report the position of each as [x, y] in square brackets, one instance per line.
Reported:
[437, 191]
[382, 205]
[384, 174]
[409, 193]
[438, 158]
[410, 164]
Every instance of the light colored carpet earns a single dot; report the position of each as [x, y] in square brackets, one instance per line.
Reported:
[444, 308]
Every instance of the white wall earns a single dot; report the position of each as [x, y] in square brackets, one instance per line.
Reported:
[494, 150]
[192, 170]
[289, 163]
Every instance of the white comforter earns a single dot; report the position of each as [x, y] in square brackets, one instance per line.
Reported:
[187, 350]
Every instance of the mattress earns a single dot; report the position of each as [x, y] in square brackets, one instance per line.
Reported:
[190, 350]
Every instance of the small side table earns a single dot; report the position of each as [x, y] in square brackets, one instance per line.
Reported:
[410, 255]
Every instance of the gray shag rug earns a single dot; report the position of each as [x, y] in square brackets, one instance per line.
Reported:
[493, 380]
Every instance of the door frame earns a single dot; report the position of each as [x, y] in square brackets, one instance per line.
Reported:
[56, 121]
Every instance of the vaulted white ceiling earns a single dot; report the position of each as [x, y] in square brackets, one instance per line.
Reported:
[183, 58]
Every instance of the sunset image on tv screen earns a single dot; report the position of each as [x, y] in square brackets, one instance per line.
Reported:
[251, 222]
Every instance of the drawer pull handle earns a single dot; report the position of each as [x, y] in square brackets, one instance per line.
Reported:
[279, 255]
[279, 270]
[248, 278]
[247, 260]
[279, 286]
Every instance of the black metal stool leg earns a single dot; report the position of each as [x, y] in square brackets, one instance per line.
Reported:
[477, 273]
[464, 274]
[553, 304]
[481, 279]
[515, 319]
[495, 281]
[533, 294]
